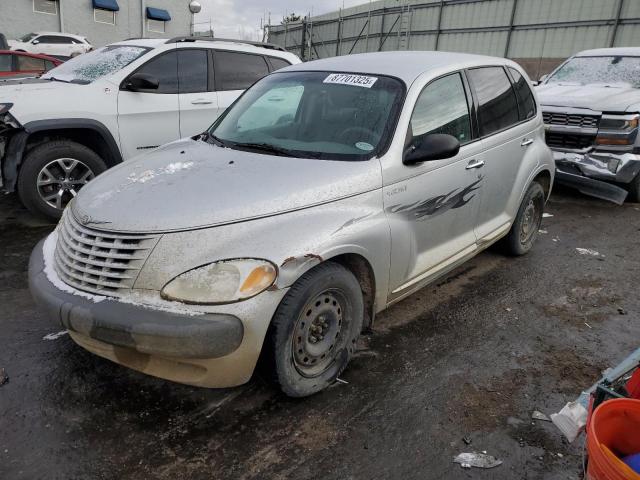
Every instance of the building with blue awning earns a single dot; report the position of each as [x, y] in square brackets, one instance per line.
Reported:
[101, 21]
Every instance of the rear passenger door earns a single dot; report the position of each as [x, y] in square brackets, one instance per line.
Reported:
[505, 137]
[234, 73]
[198, 100]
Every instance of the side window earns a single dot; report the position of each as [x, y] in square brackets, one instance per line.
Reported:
[193, 71]
[27, 64]
[526, 102]
[5, 63]
[277, 63]
[46, 39]
[442, 108]
[66, 40]
[48, 65]
[498, 108]
[238, 71]
[165, 69]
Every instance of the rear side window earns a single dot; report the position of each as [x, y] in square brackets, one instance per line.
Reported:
[165, 69]
[526, 102]
[497, 107]
[238, 71]
[277, 63]
[193, 71]
[27, 64]
[442, 108]
[5, 63]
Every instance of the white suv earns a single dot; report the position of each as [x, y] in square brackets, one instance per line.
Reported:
[52, 43]
[94, 111]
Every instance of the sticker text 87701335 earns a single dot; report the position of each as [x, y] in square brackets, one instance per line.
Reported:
[348, 79]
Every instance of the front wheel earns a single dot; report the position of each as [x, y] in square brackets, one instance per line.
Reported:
[53, 173]
[524, 230]
[314, 330]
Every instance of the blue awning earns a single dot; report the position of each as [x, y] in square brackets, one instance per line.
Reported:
[106, 5]
[158, 14]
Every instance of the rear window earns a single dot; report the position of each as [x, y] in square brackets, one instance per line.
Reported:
[498, 108]
[526, 102]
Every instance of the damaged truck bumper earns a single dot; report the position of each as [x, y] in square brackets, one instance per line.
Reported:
[597, 174]
[207, 349]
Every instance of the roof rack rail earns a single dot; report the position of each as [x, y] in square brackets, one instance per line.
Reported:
[270, 46]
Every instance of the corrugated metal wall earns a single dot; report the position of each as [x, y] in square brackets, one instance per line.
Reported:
[537, 33]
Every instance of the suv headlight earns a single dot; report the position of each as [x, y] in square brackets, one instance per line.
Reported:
[225, 281]
[617, 129]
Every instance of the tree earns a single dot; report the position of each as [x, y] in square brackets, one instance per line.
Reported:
[292, 17]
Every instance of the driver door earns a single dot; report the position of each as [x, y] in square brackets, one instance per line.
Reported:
[432, 206]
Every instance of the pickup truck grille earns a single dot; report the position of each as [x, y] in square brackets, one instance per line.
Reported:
[569, 141]
[573, 120]
[99, 262]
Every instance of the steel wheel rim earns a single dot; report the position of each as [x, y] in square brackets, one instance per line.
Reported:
[318, 332]
[61, 179]
[530, 222]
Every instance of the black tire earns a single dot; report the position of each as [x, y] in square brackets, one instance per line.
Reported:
[634, 190]
[524, 230]
[308, 311]
[43, 155]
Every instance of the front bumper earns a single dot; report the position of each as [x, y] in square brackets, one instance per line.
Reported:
[597, 173]
[135, 327]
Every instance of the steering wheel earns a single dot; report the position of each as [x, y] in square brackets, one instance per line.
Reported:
[356, 133]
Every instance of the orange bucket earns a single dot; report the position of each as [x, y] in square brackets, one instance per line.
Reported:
[613, 432]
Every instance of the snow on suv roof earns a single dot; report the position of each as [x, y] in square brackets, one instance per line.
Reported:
[611, 52]
[230, 43]
[404, 65]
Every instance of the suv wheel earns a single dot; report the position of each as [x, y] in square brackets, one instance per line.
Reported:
[53, 173]
[314, 330]
[524, 230]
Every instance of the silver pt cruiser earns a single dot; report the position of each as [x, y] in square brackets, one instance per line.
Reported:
[327, 192]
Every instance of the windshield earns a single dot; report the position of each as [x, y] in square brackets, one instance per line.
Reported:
[607, 70]
[315, 115]
[28, 37]
[91, 66]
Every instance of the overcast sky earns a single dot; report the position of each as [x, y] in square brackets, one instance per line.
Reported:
[241, 18]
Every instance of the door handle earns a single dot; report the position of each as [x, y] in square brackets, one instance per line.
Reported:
[526, 142]
[201, 101]
[474, 164]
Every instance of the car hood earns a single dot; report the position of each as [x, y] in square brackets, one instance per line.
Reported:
[193, 184]
[617, 98]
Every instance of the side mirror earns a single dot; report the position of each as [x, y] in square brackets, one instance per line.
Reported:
[141, 81]
[35, 42]
[436, 146]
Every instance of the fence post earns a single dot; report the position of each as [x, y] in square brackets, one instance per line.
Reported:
[303, 43]
[439, 24]
[615, 25]
[384, 15]
[513, 16]
[339, 37]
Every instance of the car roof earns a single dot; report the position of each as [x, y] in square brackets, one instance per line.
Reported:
[406, 65]
[58, 34]
[610, 52]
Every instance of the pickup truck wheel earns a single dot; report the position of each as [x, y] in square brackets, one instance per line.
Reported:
[314, 330]
[524, 230]
[53, 173]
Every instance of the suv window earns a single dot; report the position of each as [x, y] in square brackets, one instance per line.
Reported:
[238, 71]
[526, 102]
[498, 108]
[442, 108]
[54, 39]
[165, 69]
[193, 71]
[277, 63]
[5, 63]
[26, 64]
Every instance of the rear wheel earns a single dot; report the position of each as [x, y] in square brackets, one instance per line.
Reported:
[53, 173]
[314, 330]
[524, 230]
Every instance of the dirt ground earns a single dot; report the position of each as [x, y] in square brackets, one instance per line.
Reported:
[466, 360]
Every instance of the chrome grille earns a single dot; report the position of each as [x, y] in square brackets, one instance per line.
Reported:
[573, 120]
[95, 261]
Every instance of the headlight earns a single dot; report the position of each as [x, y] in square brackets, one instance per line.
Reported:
[617, 129]
[226, 281]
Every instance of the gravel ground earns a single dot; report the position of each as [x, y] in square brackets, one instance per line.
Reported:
[466, 359]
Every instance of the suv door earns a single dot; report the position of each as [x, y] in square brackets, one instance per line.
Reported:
[433, 206]
[505, 138]
[234, 73]
[150, 118]
[198, 101]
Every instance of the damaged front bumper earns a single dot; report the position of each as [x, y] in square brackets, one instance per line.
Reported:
[598, 174]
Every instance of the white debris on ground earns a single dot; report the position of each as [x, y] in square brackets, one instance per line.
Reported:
[170, 169]
[571, 420]
[588, 251]
[542, 231]
[537, 415]
[547, 215]
[55, 336]
[478, 460]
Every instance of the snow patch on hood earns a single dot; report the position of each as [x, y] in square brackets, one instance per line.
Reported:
[170, 169]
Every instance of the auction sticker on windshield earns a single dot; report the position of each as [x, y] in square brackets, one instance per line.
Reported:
[347, 79]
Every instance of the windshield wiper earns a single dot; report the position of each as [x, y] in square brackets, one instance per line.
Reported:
[211, 138]
[54, 79]
[267, 147]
